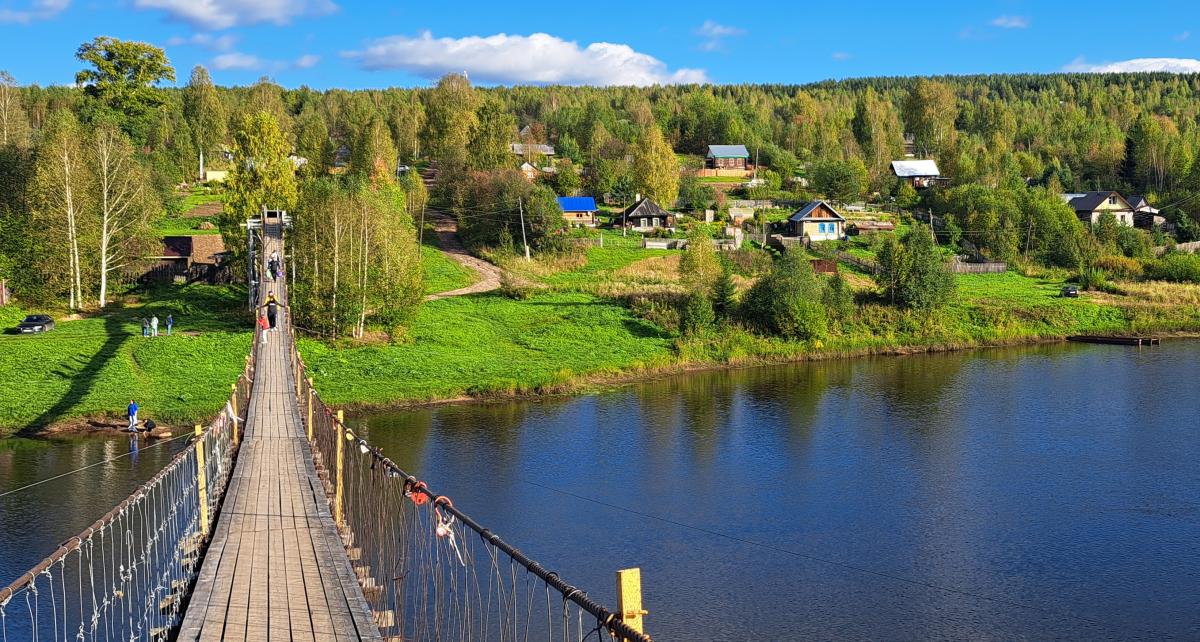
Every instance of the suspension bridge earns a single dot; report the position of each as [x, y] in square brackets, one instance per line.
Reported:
[278, 522]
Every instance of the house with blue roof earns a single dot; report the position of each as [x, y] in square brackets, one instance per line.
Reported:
[727, 157]
[817, 221]
[578, 211]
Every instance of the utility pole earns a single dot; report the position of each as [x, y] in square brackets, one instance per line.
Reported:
[201, 164]
[421, 230]
[521, 206]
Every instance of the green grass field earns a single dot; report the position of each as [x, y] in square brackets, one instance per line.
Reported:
[443, 273]
[91, 367]
[488, 344]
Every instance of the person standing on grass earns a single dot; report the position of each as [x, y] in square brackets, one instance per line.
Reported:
[170, 323]
[145, 327]
[154, 326]
[132, 410]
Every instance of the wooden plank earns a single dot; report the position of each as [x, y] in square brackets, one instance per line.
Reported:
[276, 568]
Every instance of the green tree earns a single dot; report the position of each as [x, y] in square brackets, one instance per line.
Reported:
[788, 301]
[495, 129]
[913, 273]
[929, 112]
[840, 180]
[696, 316]
[60, 205]
[655, 169]
[450, 119]
[262, 176]
[124, 74]
[374, 154]
[699, 266]
[313, 143]
[205, 114]
[724, 296]
[14, 124]
[566, 178]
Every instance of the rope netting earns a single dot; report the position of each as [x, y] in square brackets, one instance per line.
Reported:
[428, 570]
[127, 576]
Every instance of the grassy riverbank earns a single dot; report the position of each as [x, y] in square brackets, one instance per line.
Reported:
[571, 333]
[88, 368]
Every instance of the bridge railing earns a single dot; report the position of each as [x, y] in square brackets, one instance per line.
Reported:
[428, 570]
[127, 576]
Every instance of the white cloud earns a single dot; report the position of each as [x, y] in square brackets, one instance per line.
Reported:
[205, 40]
[715, 33]
[1169, 65]
[1011, 22]
[236, 60]
[840, 55]
[38, 10]
[537, 58]
[222, 14]
[307, 61]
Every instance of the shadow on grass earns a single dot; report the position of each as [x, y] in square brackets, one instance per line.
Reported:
[82, 380]
[644, 329]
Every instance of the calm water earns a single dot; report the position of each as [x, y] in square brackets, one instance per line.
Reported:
[34, 522]
[1048, 492]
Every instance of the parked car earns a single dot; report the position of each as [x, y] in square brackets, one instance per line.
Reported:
[35, 323]
[1070, 291]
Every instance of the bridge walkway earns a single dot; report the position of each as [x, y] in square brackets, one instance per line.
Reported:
[276, 568]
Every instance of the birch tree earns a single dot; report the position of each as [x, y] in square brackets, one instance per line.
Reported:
[14, 124]
[204, 112]
[60, 188]
[121, 201]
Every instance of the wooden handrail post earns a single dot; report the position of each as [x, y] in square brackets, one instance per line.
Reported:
[629, 598]
[310, 408]
[233, 405]
[201, 481]
[341, 456]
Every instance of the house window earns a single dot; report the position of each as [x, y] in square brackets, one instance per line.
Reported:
[654, 222]
[1112, 200]
[643, 224]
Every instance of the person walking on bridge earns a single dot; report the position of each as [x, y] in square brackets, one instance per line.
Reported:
[132, 410]
[272, 307]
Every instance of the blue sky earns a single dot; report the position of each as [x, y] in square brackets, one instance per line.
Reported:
[376, 43]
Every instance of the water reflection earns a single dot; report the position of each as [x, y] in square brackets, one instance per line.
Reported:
[33, 522]
[1037, 492]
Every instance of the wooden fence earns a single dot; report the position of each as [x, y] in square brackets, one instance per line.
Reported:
[1192, 247]
[959, 267]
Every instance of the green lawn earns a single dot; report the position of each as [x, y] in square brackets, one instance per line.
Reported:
[184, 225]
[601, 263]
[91, 367]
[443, 273]
[489, 344]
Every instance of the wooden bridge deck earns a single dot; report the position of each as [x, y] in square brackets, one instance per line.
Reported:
[276, 568]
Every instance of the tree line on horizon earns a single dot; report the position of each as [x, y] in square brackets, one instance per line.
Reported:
[1009, 144]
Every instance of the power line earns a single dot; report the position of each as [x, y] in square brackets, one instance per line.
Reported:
[99, 463]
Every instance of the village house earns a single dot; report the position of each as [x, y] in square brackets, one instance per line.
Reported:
[645, 215]
[871, 227]
[182, 255]
[817, 221]
[1090, 206]
[1144, 216]
[578, 211]
[918, 173]
[530, 150]
[727, 157]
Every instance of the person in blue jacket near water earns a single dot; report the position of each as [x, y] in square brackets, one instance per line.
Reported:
[132, 410]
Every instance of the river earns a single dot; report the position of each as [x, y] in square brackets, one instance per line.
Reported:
[1039, 492]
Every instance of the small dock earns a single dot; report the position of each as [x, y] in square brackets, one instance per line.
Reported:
[1115, 340]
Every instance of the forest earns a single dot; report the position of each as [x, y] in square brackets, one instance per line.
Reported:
[86, 169]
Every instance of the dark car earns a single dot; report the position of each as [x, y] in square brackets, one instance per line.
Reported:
[1070, 291]
[35, 323]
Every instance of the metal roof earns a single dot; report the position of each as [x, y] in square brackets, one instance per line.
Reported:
[805, 213]
[521, 148]
[728, 151]
[1089, 201]
[577, 203]
[915, 168]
